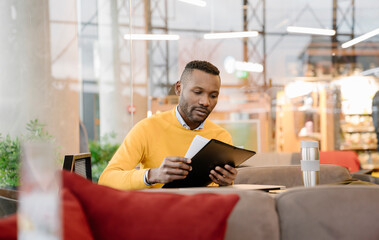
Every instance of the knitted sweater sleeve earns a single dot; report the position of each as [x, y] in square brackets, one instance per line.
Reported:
[121, 171]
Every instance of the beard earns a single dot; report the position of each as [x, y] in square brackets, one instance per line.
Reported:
[195, 114]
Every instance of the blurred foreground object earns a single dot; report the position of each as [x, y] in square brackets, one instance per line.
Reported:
[39, 213]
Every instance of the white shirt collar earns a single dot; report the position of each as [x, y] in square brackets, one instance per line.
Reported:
[183, 123]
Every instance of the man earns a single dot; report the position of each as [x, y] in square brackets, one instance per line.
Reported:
[158, 143]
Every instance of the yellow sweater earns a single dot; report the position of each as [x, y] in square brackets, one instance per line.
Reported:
[148, 143]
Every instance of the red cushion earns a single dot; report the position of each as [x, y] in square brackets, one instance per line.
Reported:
[75, 225]
[347, 159]
[115, 214]
[8, 227]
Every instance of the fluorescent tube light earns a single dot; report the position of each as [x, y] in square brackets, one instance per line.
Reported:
[231, 35]
[315, 31]
[151, 37]
[360, 38]
[249, 66]
[374, 71]
[199, 3]
[231, 66]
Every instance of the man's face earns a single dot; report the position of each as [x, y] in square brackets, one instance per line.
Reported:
[198, 96]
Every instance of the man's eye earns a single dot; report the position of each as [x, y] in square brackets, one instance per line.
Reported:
[214, 96]
[197, 92]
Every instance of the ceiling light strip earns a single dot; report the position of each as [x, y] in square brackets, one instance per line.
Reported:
[315, 31]
[231, 35]
[199, 3]
[167, 37]
[360, 38]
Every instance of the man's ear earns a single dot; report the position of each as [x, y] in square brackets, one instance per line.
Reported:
[178, 88]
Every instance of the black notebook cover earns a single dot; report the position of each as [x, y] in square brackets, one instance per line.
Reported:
[214, 153]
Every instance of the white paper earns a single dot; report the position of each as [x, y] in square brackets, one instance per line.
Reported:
[198, 143]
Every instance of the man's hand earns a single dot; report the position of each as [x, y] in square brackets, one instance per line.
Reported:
[223, 176]
[172, 168]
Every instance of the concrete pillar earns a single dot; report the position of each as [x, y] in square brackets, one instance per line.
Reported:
[114, 95]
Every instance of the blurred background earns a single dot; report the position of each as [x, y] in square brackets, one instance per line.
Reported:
[75, 72]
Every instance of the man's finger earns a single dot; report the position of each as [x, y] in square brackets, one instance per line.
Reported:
[175, 171]
[218, 176]
[170, 178]
[225, 173]
[228, 175]
[231, 169]
[179, 159]
[222, 179]
[215, 180]
[179, 165]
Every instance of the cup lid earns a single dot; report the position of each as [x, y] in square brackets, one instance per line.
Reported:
[309, 144]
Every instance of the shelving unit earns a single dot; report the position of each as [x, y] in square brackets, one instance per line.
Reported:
[358, 132]
[359, 135]
[357, 128]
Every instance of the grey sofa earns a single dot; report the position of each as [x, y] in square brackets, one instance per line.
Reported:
[273, 159]
[289, 176]
[323, 212]
[273, 174]
[329, 212]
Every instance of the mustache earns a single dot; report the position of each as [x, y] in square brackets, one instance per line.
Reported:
[204, 109]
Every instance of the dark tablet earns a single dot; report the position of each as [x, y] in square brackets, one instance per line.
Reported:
[214, 153]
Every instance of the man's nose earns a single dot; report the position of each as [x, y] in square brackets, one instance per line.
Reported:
[204, 101]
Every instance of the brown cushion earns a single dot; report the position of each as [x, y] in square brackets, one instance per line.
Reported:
[289, 176]
[329, 212]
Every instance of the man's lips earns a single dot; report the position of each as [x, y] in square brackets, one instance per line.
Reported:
[201, 111]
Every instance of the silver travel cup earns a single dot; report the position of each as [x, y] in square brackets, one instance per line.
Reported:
[310, 163]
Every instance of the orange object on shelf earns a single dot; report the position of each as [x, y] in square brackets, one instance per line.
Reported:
[348, 159]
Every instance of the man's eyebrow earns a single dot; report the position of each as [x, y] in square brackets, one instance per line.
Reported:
[200, 88]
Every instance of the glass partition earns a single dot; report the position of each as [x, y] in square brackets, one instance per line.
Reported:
[71, 69]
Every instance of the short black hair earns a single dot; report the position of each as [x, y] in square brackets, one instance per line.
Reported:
[199, 65]
[202, 66]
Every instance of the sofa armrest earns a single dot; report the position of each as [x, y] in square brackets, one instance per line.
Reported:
[329, 212]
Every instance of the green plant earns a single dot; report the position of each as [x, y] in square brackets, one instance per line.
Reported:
[36, 131]
[101, 152]
[9, 161]
[10, 152]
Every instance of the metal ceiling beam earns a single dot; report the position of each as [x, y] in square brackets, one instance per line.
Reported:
[254, 49]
